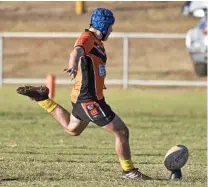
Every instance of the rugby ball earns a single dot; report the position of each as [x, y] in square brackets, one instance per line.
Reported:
[176, 157]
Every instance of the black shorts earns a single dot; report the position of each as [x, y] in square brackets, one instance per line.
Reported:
[97, 112]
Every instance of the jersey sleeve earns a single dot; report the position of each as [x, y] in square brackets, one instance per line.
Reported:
[85, 41]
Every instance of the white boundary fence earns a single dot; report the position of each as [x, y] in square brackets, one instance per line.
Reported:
[125, 81]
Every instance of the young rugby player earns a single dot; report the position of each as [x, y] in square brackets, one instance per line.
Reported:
[87, 65]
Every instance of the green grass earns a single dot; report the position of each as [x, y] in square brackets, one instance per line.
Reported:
[35, 151]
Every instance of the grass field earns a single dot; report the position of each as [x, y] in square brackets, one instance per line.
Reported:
[35, 151]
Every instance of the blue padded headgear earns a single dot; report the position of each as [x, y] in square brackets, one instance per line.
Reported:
[101, 19]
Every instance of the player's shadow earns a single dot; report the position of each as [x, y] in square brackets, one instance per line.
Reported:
[160, 179]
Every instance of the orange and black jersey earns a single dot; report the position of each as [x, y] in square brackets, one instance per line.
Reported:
[89, 81]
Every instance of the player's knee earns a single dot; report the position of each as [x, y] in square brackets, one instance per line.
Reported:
[73, 132]
[124, 132]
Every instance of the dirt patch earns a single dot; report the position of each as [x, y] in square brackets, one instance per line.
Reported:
[148, 58]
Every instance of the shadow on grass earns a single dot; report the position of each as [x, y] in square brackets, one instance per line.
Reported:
[32, 178]
[160, 179]
[9, 179]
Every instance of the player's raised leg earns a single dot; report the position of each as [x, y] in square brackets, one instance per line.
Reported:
[71, 124]
[121, 132]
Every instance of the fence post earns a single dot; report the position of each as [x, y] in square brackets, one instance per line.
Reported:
[1, 61]
[125, 61]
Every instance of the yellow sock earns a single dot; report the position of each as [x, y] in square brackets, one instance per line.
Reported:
[127, 165]
[49, 105]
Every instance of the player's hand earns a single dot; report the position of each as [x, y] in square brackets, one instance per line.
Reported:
[71, 71]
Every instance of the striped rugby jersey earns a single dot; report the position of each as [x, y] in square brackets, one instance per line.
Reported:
[91, 73]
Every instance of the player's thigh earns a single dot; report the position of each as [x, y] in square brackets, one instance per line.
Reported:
[76, 125]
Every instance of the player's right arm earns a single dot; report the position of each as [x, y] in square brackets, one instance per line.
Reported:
[81, 48]
[75, 55]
